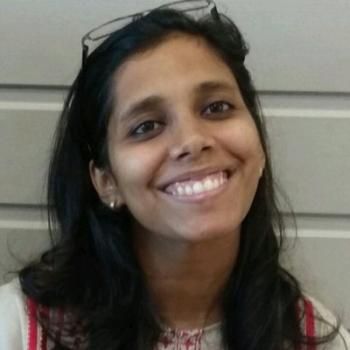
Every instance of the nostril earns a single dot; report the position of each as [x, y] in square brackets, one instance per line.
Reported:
[206, 148]
[191, 147]
[184, 155]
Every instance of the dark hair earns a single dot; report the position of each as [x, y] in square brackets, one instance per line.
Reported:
[91, 270]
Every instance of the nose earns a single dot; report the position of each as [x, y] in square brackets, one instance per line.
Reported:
[190, 140]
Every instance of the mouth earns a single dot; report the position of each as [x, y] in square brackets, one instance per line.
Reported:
[200, 188]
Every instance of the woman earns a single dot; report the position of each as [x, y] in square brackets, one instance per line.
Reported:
[162, 208]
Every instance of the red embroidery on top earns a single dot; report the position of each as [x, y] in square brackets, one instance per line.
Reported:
[305, 309]
[180, 340]
[32, 325]
[45, 314]
[64, 328]
[310, 322]
[165, 341]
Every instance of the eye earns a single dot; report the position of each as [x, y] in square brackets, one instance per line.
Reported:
[147, 127]
[218, 107]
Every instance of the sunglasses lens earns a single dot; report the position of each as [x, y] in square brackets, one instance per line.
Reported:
[186, 6]
[108, 28]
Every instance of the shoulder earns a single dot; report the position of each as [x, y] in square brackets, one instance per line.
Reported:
[13, 317]
[21, 330]
[324, 322]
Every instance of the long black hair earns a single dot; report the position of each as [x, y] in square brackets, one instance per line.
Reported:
[91, 271]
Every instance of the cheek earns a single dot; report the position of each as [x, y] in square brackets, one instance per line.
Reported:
[243, 141]
[134, 168]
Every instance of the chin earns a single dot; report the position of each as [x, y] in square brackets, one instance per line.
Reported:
[201, 235]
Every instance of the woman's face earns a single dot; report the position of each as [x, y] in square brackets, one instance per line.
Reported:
[185, 155]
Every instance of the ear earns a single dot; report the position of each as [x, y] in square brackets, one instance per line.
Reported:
[105, 185]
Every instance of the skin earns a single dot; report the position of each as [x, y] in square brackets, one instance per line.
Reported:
[186, 249]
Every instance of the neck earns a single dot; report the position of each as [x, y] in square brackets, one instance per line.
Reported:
[186, 279]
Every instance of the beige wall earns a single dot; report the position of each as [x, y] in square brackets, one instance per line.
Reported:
[300, 61]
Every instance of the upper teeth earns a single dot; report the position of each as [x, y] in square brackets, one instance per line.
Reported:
[188, 188]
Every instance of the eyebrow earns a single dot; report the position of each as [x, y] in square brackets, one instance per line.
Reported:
[154, 101]
[140, 106]
[210, 86]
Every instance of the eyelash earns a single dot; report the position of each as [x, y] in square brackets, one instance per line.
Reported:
[221, 103]
[135, 131]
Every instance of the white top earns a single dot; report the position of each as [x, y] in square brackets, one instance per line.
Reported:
[14, 327]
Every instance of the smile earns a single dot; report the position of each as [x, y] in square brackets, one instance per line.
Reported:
[208, 185]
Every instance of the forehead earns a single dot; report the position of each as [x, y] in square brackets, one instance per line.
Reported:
[178, 63]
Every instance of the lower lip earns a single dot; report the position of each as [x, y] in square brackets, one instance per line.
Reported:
[200, 197]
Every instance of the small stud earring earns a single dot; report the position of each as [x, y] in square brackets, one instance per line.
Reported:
[115, 204]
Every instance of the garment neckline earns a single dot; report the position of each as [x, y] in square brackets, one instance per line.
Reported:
[180, 331]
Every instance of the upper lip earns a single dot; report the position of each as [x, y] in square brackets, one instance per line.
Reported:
[193, 175]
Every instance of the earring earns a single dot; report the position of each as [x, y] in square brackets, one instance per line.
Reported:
[114, 204]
